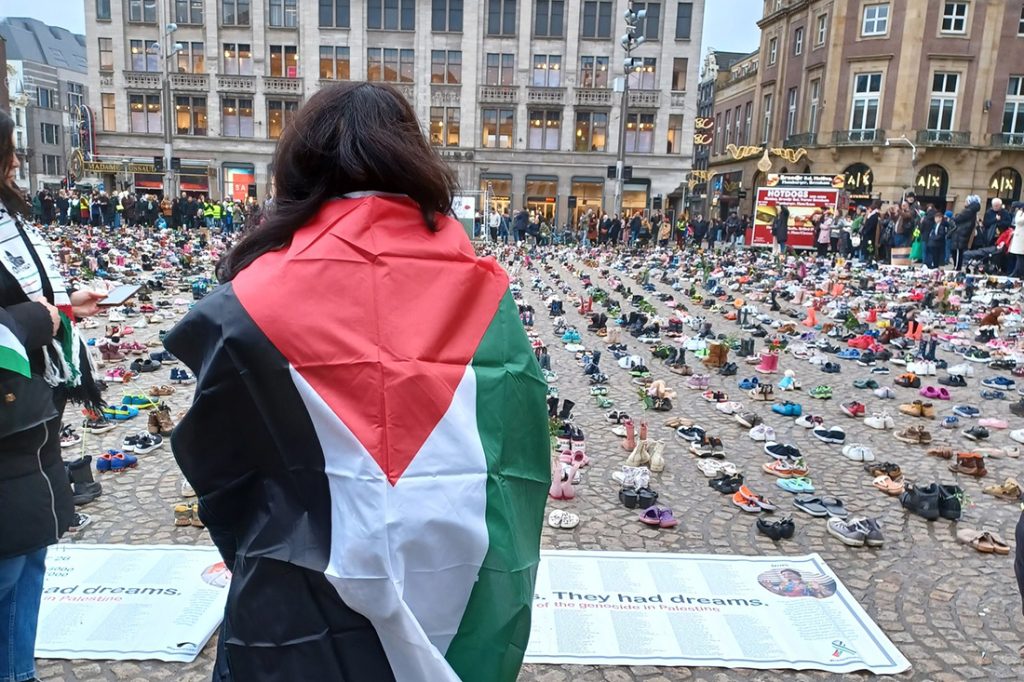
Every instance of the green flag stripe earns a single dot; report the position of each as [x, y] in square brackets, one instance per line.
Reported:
[12, 353]
[512, 420]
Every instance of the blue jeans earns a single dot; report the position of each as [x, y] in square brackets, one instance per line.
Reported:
[898, 240]
[21, 588]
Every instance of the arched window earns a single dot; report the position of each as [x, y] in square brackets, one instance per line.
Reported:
[860, 180]
[1005, 184]
[932, 181]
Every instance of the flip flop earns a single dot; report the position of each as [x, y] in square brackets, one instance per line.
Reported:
[834, 507]
[983, 541]
[811, 505]
[887, 485]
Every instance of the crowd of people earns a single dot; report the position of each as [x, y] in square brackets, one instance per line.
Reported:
[188, 211]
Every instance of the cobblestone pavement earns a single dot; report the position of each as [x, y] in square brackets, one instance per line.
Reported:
[954, 613]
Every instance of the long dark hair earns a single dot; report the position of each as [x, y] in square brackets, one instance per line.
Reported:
[12, 197]
[349, 137]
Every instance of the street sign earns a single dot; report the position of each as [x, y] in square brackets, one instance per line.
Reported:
[158, 164]
[627, 172]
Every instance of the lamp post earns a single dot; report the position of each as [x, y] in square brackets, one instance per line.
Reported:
[168, 49]
[630, 41]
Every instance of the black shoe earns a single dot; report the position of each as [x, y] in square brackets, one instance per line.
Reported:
[954, 380]
[728, 369]
[727, 485]
[950, 502]
[923, 501]
[84, 493]
[778, 530]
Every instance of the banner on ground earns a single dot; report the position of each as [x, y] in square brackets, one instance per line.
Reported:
[129, 603]
[625, 608]
[803, 195]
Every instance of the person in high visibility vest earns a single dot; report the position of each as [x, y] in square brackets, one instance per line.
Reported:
[218, 213]
[207, 212]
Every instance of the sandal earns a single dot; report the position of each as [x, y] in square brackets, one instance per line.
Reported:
[1008, 490]
[985, 542]
[887, 485]
[676, 422]
[563, 519]
[160, 391]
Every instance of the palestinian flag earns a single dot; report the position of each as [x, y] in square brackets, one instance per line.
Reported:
[369, 442]
[13, 357]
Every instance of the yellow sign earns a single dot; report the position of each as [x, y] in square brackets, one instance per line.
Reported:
[114, 167]
[703, 138]
[704, 124]
[1002, 185]
[929, 181]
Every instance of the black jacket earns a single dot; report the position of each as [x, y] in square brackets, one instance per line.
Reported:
[965, 222]
[781, 228]
[34, 488]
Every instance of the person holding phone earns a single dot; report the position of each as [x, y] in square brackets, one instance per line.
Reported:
[45, 364]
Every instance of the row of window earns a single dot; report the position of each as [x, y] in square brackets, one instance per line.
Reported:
[500, 16]
[392, 65]
[47, 98]
[865, 110]
[497, 124]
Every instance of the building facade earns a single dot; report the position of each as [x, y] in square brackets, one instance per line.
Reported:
[714, 75]
[519, 94]
[895, 95]
[46, 80]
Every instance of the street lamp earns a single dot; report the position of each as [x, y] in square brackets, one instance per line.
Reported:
[630, 41]
[905, 140]
[167, 49]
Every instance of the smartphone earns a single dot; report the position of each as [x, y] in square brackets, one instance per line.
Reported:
[119, 295]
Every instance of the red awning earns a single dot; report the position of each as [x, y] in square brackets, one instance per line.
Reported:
[187, 186]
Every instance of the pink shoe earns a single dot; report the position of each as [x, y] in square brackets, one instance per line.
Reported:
[993, 423]
[568, 491]
[555, 491]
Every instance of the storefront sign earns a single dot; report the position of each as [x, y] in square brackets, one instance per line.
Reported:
[704, 124]
[803, 195]
[115, 167]
[859, 180]
[932, 181]
[703, 139]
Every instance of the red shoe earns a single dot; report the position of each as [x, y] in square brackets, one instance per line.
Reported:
[853, 408]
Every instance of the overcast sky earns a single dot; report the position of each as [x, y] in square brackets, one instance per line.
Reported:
[729, 25]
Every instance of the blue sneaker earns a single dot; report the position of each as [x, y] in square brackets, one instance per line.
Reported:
[966, 411]
[749, 384]
[993, 395]
[999, 383]
[180, 376]
[849, 354]
[120, 412]
[950, 422]
[787, 409]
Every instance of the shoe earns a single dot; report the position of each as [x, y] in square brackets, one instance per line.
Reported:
[858, 453]
[993, 395]
[180, 376]
[763, 432]
[872, 531]
[781, 451]
[853, 408]
[880, 370]
[961, 370]
[119, 412]
[747, 419]
[966, 411]
[914, 409]
[977, 355]
[976, 433]
[146, 443]
[834, 434]
[969, 464]
[96, 423]
[865, 383]
[999, 383]
[186, 488]
[821, 392]
[727, 484]
[880, 421]
[884, 392]
[796, 485]
[78, 522]
[847, 532]
[68, 436]
[788, 409]
[144, 365]
[786, 468]
[950, 422]
[922, 500]
[908, 381]
[776, 530]
[914, 435]
[953, 381]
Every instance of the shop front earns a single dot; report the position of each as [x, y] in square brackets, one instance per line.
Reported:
[589, 194]
[932, 186]
[498, 190]
[149, 183]
[860, 183]
[542, 195]
[726, 189]
[1005, 185]
[635, 196]
[239, 181]
[194, 180]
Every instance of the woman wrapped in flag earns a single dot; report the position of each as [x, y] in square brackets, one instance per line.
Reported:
[369, 435]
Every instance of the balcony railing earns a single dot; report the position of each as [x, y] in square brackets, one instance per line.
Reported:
[442, 94]
[870, 136]
[951, 138]
[500, 94]
[190, 81]
[678, 99]
[1008, 140]
[231, 83]
[142, 80]
[801, 140]
[644, 98]
[593, 97]
[545, 95]
[282, 86]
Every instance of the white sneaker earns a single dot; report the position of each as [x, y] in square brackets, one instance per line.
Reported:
[859, 453]
[884, 392]
[963, 370]
[762, 432]
[186, 489]
[880, 421]
[1017, 435]
[730, 407]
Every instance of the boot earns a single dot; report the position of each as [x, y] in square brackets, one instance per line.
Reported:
[566, 412]
[552, 409]
[595, 358]
[83, 488]
[656, 456]
[769, 363]
[950, 501]
[579, 448]
[163, 418]
[775, 304]
[643, 430]
[545, 361]
[639, 456]
[629, 442]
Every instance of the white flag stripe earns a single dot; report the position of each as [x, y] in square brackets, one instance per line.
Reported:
[407, 556]
[9, 340]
